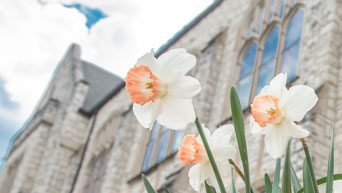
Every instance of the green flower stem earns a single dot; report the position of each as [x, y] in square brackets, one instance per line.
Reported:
[308, 157]
[210, 156]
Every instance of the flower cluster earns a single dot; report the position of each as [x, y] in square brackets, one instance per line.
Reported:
[161, 91]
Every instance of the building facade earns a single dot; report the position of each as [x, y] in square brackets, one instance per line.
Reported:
[84, 138]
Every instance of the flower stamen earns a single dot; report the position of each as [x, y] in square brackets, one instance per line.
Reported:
[142, 85]
[265, 109]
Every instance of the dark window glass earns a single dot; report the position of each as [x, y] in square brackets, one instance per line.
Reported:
[246, 74]
[163, 144]
[282, 9]
[249, 29]
[267, 66]
[294, 28]
[150, 146]
[177, 140]
[271, 12]
[292, 45]
[260, 19]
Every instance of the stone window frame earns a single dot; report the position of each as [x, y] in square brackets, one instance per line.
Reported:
[169, 152]
[246, 40]
[96, 171]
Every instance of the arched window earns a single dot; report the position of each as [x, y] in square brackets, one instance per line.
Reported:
[268, 61]
[292, 43]
[246, 74]
[162, 143]
[271, 47]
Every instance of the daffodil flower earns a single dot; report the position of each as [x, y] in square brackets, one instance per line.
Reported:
[275, 111]
[160, 90]
[193, 151]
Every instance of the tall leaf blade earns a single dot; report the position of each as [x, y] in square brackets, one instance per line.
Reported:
[240, 134]
[275, 186]
[209, 189]
[307, 180]
[147, 184]
[286, 180]
[330, 175]
[165, 189]
[233, 185]
[294, 180]
[310, 166]
[323, 181]
[268, 184]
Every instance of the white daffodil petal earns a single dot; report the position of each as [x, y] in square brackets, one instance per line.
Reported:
[277, 87]
[219, 143]
[224, 169]
[176, 59]
[197, 175]
[177, 113]
[224, 132]
[181, 86]
[147, 113]
[289, 128]
[276, 143]
[149, 60]
[301, 100]
[256, 129]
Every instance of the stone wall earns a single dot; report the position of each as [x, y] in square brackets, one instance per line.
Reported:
[46, 159]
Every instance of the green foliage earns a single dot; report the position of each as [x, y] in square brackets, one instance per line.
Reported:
[209, 189]
[330, 178]
[210, 156]
[323, 181]
[233, 185]
[294, 180]
[275, 186]
[286, 180]
[240, 134]
[307, 179]
[147, 184]
[165, 189]
[311, 170]
[268, 184]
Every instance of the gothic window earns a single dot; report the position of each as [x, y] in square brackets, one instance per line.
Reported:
[292, 43]
[162, 143]
[271, 47]
[96, 172]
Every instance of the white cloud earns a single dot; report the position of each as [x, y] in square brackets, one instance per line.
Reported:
[34, 38]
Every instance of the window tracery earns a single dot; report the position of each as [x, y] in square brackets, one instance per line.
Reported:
[271, 46]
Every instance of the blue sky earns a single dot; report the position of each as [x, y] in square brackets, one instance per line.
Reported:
[112, 34]
[93, 15]
[6, 123]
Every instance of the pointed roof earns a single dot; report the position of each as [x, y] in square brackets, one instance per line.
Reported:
[102, 85]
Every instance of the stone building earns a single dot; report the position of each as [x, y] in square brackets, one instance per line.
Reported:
[84, 138]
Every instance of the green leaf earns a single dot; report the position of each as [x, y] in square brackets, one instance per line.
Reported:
[310, 167]
[165, 189]
[233, 185]
[208, 188]
[294, 180]
[330, 178]
[307, 180]
[210, 156]
[147, 184]
[268, 184]
[275, 186]
[286, 180]
[324, 180]
[237, 116]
